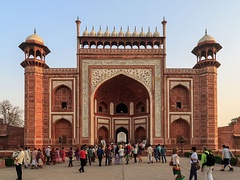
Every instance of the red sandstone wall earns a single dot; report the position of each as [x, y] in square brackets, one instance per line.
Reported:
[229, 135]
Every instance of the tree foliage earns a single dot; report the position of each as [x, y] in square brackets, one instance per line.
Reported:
[11, 115]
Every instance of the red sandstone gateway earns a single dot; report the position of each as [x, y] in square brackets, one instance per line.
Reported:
[121, 91]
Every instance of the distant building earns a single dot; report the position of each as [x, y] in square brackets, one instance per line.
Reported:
[121, 90]
[230, 135]
[10, 136]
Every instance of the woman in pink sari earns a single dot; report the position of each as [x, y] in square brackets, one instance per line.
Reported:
[57, 156]
[63, 154]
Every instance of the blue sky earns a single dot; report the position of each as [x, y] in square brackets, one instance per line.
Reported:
[186, 24]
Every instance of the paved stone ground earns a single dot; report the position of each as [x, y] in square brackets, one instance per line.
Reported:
[139, 171]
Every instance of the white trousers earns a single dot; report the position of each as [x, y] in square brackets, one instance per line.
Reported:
[207, 173]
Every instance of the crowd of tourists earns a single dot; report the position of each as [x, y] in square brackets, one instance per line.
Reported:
[117, 154]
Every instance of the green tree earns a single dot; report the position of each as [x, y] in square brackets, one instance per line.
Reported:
[11, 115]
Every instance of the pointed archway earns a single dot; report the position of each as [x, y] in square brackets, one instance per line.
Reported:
[103, 134]
[140, 134]
[120, 102]
[180, 128]
[122, 135]
[63, 128]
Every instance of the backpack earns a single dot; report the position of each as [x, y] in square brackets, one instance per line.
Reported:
[210, 159]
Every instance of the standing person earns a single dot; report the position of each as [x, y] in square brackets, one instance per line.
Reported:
[90, 154]
[48, 155]
[163, 152]
[15, 153]
[107, 155]
[135, 153]
[128, 153]
[63, 155]
[176, 165]
[40, 158]
[44, 155]
[116, 154]
[159, 151]
[94, 148]
[121, 154]
[18, 160]
[70, 156]
[156, 154]
[53, 157]
[57, 156]
[230, 155]
[26, 158]
[149, 152]
[34, 159]
[193, 159]
[83, 159]
[140, 149]
[226, 159]
[100, 154]
[77, 154]
[207, 170]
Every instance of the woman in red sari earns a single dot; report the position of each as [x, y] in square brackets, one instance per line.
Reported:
[63, 154]
[83, 159]
[57, 156]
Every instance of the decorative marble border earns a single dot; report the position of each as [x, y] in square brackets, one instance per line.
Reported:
[138, 121]
[103, 125]
[56, 83]
[100, 75]
[175, 83]
[143, 75]
[104, 121]
[57, 117]
[178, 116]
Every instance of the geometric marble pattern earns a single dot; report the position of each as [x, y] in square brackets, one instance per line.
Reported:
[150, 71]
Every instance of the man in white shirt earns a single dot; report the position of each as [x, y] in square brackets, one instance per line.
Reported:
[150, 151]
[18, 162]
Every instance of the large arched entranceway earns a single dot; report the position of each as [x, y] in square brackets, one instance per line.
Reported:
[122, 104]
[63, 129]
[140, 134]
[102, 134]
[122, 135]
[180, 128]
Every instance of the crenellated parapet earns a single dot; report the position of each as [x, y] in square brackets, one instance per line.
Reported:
[120, 40]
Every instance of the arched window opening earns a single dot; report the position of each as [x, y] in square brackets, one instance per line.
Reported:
[121, 47]
[203, 55]
[93, 46]
[38, 54]
[180, 99]
[140, 107]
[128, 47]
[86, 46]
[135, 47]
[149, 47]
[102, 107]
[31, 53]
[100, 46]
[114, 47]
[121, 108]
[107, 47]
[62, 99]
[210, 54]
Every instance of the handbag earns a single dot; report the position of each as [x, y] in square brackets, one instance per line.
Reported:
[196, 165]
[171, 163]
